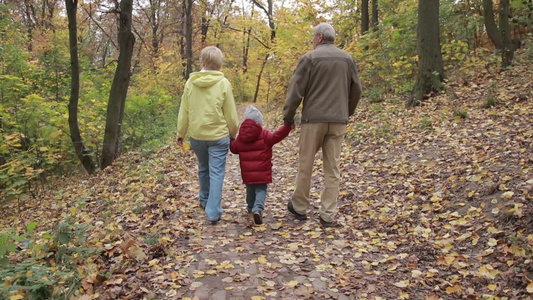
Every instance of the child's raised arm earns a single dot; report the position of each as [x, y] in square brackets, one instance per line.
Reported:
[273, 138]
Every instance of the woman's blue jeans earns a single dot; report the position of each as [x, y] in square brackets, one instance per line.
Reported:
[211, 170]
[255, 197]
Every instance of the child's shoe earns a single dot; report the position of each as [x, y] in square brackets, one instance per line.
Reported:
[258, 218]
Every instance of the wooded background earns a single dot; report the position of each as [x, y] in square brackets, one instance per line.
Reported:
[133, 58]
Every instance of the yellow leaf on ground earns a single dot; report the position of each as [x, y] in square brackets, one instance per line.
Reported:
[453, 289]
[262, 259]
[475, 239]
[492, 287]
[416, 273]
[507, 195]
[530, 288]
[292, 283]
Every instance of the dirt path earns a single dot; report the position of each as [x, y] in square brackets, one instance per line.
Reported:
[238, 261]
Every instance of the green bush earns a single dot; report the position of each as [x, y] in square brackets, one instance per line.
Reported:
[374, 94]
[48, 269]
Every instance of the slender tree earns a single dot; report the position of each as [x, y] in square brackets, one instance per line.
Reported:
[155, 16]
[364, 17]
[188, 4]
[505, 35]
[500, 37]
[29, 14]
[269, 12]
[119, 87]
[430, 67]
[490, 24]
[83, 153]
[375, 15]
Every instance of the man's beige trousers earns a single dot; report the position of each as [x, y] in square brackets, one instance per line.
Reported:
[329, 137]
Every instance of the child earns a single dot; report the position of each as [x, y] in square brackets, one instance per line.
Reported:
[208, 113]
[254, 146]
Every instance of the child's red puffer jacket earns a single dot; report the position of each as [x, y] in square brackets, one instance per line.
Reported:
[254, 146]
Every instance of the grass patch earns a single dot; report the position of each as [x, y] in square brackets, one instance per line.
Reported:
[489, 101]
[460, 114]
[425, 124]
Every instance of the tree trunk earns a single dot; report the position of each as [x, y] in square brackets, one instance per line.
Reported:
[430, 66]
[375, 15]
[205, 29]
[119, 87]
[29, 13]
[256, 94]
[490, 24]
[188, 36]
[505, 35]
[154, 21]
[247, 33]
[83, 153]
[268, 10]
[364, 17]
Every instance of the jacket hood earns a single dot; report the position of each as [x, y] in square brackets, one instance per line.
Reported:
[206, 78]
[249, 131]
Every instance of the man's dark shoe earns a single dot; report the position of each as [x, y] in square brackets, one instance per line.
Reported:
[292, 211]
[326, 223]
[258, 218]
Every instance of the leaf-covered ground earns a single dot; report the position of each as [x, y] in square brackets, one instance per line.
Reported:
[436, 203]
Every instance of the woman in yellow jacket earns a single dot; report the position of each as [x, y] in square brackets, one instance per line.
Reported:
[209, 115]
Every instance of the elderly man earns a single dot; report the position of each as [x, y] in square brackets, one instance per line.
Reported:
[327, 81]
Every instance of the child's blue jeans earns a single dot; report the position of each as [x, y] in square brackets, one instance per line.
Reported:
[255, 197]
[211, 170]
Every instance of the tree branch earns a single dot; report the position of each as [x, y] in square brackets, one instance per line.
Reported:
[100, 27]
[255, 37]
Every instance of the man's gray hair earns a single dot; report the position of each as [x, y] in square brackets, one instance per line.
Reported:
[326, 30]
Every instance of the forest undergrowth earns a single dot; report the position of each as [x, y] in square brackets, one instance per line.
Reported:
[435, 203]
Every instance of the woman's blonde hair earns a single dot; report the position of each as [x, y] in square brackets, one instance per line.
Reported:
[212, 58]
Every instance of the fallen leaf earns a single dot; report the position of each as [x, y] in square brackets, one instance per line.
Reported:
[530, 288]
[453, 289]
[402, 284]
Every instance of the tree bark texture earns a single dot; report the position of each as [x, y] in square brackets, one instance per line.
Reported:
[490, 24]
[30, 17]
[119, 87]
[364, 17]
[188, 36]
[269, 12]
[155, 22]
[430, 66]
[375, 15]
[505, 34]
[256, 94]
[83, 153]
